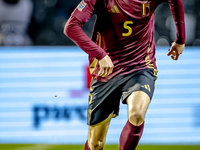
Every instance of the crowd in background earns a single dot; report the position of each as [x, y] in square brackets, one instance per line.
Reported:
[41, 22]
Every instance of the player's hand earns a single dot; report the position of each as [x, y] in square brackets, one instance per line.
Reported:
[106, 66]
[176, 50]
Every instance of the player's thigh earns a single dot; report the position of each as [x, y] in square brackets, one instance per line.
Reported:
[103, 105]
[98, 132]
[137, 93]
[138, 103]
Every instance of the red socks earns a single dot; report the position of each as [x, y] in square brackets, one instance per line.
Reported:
[87, 147]
[130, 136]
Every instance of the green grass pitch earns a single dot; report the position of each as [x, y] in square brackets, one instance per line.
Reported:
[81, 147]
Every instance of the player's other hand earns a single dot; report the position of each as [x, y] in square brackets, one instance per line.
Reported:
[176, 50]
[106, 66]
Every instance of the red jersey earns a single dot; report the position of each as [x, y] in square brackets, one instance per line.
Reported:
[124, 30]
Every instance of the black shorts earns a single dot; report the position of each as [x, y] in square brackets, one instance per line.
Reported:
[104, 97]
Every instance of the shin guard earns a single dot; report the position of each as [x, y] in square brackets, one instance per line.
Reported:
[130, 136]
[86, 146]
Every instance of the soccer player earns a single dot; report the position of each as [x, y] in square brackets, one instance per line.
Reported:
[122, 62]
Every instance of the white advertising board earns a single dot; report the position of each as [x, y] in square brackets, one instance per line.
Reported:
[44, 99]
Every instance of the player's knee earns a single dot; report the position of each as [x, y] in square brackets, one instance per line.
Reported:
[101, 144]
[96, 145]
[136, 118]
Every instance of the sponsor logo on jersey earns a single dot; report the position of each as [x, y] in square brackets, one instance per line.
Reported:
[145, 8]
[81, 5]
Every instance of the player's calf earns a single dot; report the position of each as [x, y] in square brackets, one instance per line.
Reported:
[137, 105]
[130, 136]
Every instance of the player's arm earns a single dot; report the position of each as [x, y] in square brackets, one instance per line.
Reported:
[73, 29]
[178, 46]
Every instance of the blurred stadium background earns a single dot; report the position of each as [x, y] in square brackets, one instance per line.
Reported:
[44, 81]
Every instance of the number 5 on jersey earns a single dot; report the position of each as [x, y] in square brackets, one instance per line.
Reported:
[127, 26]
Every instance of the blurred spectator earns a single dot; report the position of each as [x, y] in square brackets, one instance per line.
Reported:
[50, 16]
[49, 19]
[165, 27]
[190, 25]
[190, 22]
[160, 30]
[15, 16]
[197, 30]
[45, 19]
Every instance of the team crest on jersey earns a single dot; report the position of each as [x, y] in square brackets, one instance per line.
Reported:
[145, 8]
[81, 5]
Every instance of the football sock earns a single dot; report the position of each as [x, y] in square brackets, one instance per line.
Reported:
[87, 147]
[130, 136]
